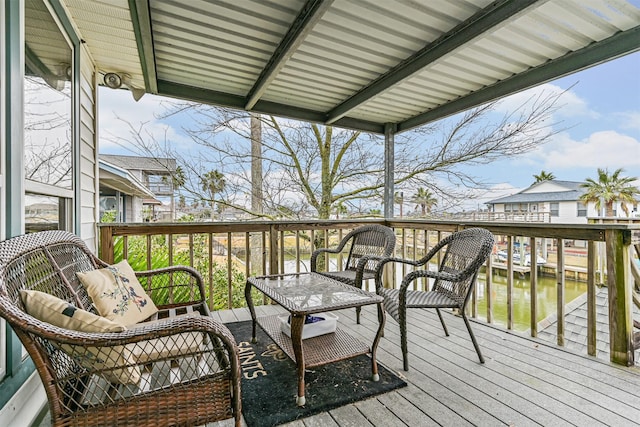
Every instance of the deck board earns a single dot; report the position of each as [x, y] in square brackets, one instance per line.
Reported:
[523, 382]
[550, 380]
[349, 416]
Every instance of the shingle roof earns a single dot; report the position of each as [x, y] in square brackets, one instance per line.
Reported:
[159, 164]
[573, 192]
[549, 196]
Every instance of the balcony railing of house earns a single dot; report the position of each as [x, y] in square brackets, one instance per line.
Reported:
[160, 188]
[499, 216]
[226, 253]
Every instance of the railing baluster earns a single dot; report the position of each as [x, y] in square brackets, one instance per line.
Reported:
[170, 249]
[191, 249]
[282, 251]
[230, 270]
[489, 289]
[149, 251]
[247, 254]
[340, 257]
[273, 250]
[327, 260]
[591, 298]
[403, 253]
[210, 283]
[533, 276]
[509, 282]
[264, 253]
[297, 251]
[560, 288]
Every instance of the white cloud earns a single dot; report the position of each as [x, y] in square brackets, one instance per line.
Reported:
[115, 105]
[630, 120]
[481, 196]
[605, 149]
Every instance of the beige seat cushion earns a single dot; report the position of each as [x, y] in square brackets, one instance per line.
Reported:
[50, 309]
[166, 347]
[117, 294]
[172, 346]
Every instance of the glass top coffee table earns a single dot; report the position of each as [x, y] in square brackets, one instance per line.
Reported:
[303, 294]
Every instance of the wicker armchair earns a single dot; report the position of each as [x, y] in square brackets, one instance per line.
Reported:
[463, 253]
[369, 245]
[179, 368]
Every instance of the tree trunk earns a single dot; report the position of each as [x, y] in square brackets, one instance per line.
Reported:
[256, 191]
[608, 209]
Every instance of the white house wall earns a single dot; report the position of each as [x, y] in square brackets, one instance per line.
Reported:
[567, 214]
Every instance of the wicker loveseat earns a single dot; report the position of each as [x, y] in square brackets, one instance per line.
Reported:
[178, 368]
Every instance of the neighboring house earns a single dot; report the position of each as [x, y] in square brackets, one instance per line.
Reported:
[122, 193]
[551, 201]
[153, 174]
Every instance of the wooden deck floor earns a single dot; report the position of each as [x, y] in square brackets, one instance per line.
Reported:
[523, 382]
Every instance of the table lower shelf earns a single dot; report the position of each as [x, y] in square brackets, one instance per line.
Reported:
[319, 350]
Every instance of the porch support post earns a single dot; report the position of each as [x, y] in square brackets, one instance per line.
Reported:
[619, 284]
[389, 171]
[13, 110]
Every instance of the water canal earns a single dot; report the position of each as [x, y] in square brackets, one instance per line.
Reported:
[547, 296]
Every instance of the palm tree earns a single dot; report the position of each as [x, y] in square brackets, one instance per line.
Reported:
[608, 189]
[425, 200]
[341, 209]
[544, 176]
[213, 182]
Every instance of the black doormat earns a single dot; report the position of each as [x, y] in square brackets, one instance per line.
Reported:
[269, 381]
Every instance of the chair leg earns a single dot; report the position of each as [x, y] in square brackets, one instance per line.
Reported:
[358, 315]
[446, 332]
[380, 319]
[473, 338]
[402, 320]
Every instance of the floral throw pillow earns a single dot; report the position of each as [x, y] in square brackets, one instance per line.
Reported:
[117, 294]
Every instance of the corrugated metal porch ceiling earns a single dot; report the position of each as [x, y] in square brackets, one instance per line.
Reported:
[353, 63]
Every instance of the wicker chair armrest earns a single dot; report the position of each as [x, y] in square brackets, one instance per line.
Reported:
[171, 269]
[152, 279]
[315, 254]
[362, 263]
[440, 275]
[385, 261]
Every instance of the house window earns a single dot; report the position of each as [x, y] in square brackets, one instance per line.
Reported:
[582, 209]
[44, 168]
[554, 208]
[48, 135]
[507, 207]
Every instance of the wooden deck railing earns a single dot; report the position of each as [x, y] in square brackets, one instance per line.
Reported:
[240, 249]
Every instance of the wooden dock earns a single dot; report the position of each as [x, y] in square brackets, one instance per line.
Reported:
[524, 381]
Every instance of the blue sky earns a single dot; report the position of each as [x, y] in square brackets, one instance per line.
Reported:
[601, 114]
